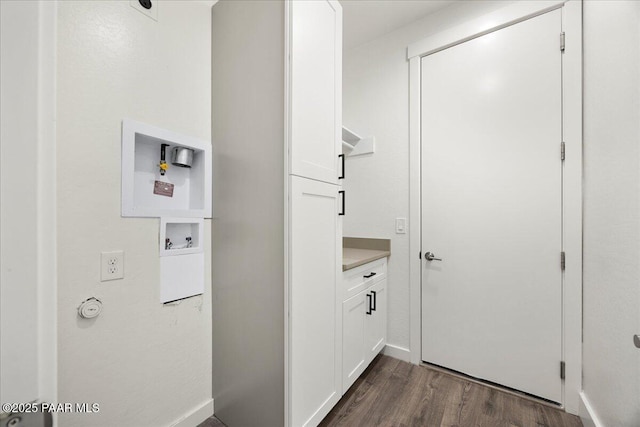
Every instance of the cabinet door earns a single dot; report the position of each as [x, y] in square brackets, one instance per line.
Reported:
[316, 88]
[315, 345]
[375, 329]
[353, 346]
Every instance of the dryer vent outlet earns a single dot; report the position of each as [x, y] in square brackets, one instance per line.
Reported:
[148, 8]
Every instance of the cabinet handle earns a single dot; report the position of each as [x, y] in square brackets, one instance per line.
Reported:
[343, 197]
[369, 275]
[369, 304]
[342, 157]
[374, 300]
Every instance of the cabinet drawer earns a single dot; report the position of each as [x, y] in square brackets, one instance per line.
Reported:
[359, 278]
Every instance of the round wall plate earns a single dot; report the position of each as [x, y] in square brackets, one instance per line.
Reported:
[90, 308]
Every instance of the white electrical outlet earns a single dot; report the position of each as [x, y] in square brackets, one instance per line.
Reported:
[112, 266]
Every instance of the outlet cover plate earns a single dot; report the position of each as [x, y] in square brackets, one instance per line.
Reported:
[111, 265]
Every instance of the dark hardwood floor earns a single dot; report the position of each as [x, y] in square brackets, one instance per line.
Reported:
[392, 393]
[212, 422]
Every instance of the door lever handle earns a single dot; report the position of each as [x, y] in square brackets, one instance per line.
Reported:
[430, 256]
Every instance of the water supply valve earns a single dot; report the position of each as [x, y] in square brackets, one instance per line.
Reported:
[163, 165]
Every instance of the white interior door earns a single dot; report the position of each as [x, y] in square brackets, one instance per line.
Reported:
[492, 207]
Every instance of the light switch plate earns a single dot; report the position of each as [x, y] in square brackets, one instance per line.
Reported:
[401, 225]
[112, 266]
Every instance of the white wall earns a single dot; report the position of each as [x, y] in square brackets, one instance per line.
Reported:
[376, 102]
[611, 363]
[145, 364]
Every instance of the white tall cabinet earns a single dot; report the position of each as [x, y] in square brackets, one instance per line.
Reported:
[277, 233]
[315, 250]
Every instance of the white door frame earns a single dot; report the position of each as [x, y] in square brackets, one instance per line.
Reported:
[37, 136]
[572, 167]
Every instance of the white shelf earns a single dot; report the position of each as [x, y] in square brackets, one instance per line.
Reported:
[350, 137]
[355, 145]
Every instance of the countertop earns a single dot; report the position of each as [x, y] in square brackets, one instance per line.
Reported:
[352, 257]
[359, 251]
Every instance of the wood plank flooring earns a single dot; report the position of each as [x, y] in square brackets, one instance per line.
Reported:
[212, 422]
[392, 393]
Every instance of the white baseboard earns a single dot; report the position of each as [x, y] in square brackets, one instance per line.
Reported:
[196, 416]
[394, 351]
[587, 413]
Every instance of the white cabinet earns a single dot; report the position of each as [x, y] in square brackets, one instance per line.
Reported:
[315, 260]
[375, 327]
[359, 278]
[316, 89]
[353, 348]
[364, 319]
[315, 252]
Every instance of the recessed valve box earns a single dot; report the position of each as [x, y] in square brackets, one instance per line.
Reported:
[181, 258]
[181, 236]
[164, 173]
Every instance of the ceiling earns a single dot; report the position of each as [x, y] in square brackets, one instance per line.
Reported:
[366, 20]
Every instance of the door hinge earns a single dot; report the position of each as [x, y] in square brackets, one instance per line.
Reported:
[562, 369]
[562, 260]
[562, 41]
[562, 150]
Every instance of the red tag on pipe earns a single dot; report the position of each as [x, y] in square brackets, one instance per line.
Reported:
[163, 189]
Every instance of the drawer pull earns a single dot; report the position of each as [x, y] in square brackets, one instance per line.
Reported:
[369, 304]
[369, 275]
[374, 300]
